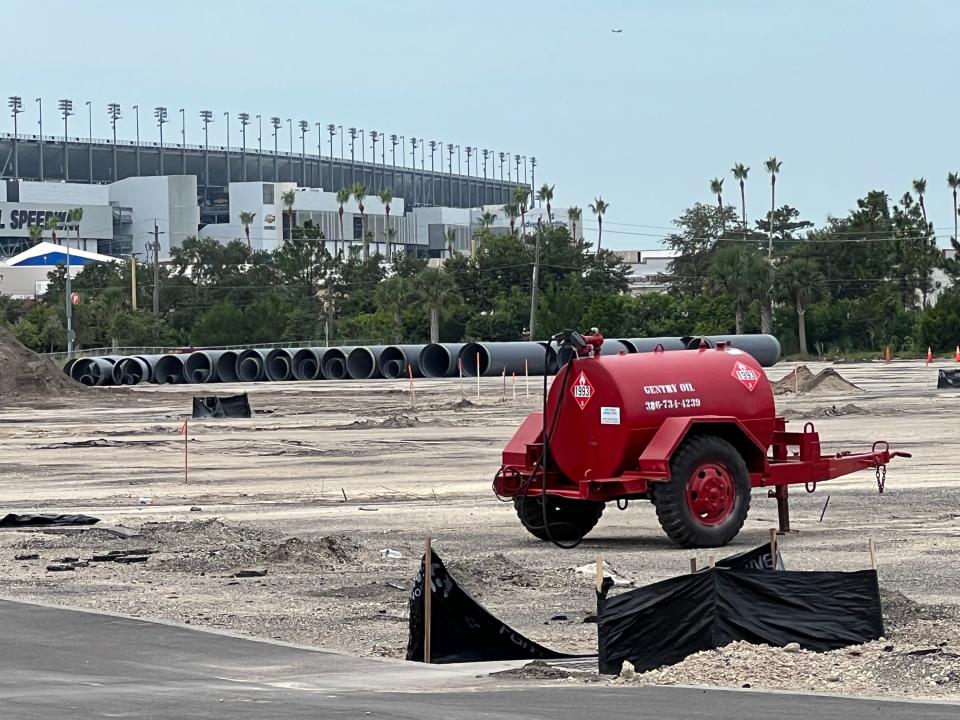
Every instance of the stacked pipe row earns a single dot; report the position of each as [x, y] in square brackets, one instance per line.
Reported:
[436, 360]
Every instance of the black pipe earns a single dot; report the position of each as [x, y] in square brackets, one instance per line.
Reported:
[362, 362]
[395, 359]
[650, 344]
[131, 371]
[765, 349]
[250, 365]
[169, 369]
[440, 359]
[509, 357]
[227, 366]
[278, 365]
[334, 365]
[201, 366]
[307, 363]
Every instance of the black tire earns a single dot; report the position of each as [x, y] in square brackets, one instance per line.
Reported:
[569, 520]
[718, 464]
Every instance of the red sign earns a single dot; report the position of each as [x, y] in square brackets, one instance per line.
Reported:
[74, 298]
[582, 390]
[746, 375]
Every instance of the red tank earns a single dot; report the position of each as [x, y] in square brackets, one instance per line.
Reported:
[613, 405]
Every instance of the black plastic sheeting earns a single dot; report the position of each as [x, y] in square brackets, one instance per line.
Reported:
[948, 379]
[663, 623]
[14, 520]
[229, 406]
[756, 559]
[461, 629]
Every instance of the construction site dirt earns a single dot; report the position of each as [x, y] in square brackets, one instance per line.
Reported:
[306, 522]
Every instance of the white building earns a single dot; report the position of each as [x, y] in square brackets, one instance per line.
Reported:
[25, 275]
[167, 201]
[645, 268]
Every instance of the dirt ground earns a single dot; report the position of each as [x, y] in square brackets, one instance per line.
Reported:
[327, 476]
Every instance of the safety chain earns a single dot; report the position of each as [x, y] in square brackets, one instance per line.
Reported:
[881, 477]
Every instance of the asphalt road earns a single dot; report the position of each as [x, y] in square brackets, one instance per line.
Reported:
[63, 663]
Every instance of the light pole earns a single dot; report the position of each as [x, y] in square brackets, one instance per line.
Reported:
[393, 160]
[469, 151]
[503, 155]
[89, 141]
[160, 113]
[260, 147]
[353, 170]
[374, 135]
[16, 107]
[207, 117]
[413, 164]
[66, 108]
[290, 154]
[136, 112]
[183, 141]
[304, 129]
[227, 116]
[319, 154]
[459, 180]
[533, 181]
[244, 121]
[486, 153]
[113, 112]
[275, 122]
[40, 115]
[331, 131]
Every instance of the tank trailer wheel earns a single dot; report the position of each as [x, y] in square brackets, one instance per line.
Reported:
[569, 520]
[706, 500]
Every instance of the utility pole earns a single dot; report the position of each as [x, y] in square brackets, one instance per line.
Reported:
[133, 281]
[68, 293]
[535, 288]
[16, 107]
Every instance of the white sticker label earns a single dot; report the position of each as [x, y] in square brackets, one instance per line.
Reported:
[609, 416]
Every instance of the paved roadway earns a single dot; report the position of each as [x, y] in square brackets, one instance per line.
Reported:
[59, 662]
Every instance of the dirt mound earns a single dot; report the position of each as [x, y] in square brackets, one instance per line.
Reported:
[26, 375]
[335, 549]
[801, 380]
[834, 411]
[393, 422]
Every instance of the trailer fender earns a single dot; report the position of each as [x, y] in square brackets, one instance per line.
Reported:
[654, 462]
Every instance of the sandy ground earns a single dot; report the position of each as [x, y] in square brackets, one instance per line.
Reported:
[326, 476]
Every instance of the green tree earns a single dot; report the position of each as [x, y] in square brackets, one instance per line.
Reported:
[546, 195]
[716, 187]
[920, 188]
[359, 192]
[574, 214]
[451, 236]
[288, 198]
[799, 283]
[245, 219]
[386, 197]
[36, 234]
[772, 166]
[511, 212]
[74, 216]
[599, 208]
[396, 295]
[739, 273]
[521, 194]
[740, 172]
[953, 182]
[436, 290]
[343, 197]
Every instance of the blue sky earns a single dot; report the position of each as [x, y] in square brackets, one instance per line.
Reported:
[851, 95]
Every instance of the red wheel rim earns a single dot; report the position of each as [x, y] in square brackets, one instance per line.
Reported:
[710, 494]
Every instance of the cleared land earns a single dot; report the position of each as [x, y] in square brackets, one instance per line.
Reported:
[325, 476]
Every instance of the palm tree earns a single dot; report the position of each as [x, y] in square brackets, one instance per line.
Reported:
[386, 197]
[245, 219]
[485, 220]
[546, 195]
[451, 235]
[437, 290]
[740, 174]
[598, 207]
[573, 217]
[75, 216]
[36, 234]
[511, 213]
[800, 282]
[359, 192]
[920, 187]
[953, 180]
[288, 198]
[716, 187]
[52, 224]
[396, 294]
[736, 273]
[773, 167]
[343, 197]
[521, 193]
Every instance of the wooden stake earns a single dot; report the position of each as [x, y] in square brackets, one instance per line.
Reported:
[526, 377]
[413, 393]
[186, 451]
[427, 599]
[873, 554]
[599, 573]
[478, 376]
[773, 549]
[504, 374]
[514, 386]
[693, 564]
[712, 561]
[460, 368]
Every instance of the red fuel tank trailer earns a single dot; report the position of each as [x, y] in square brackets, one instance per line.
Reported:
[692, 431]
